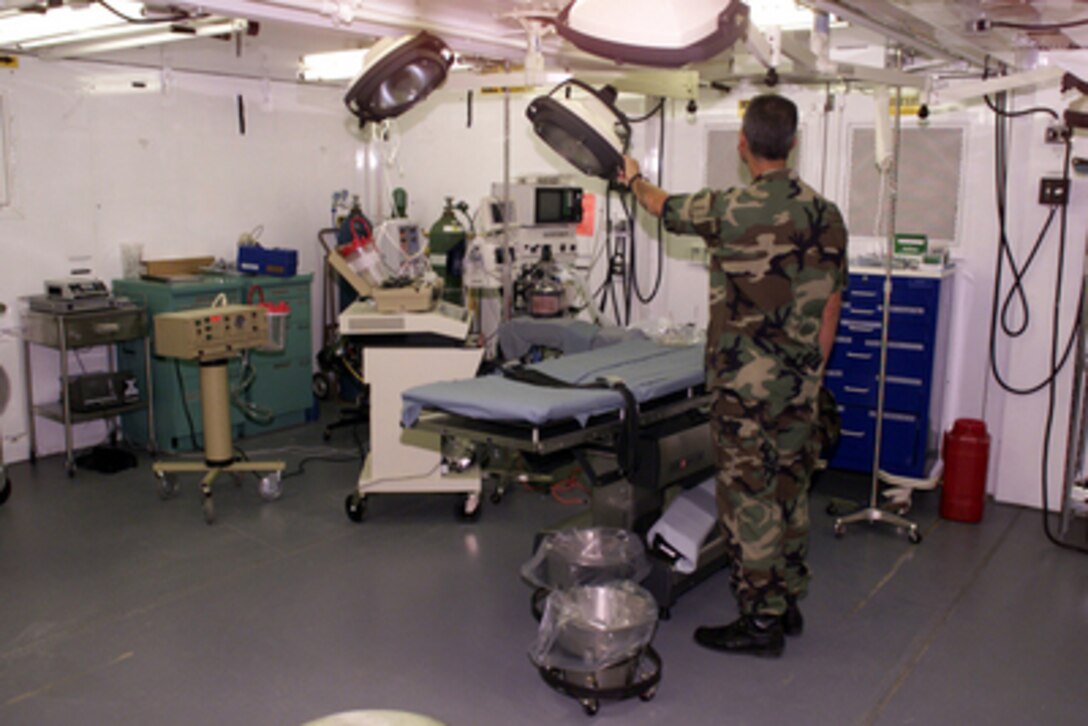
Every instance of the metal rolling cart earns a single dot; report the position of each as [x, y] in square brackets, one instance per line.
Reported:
[68, 327]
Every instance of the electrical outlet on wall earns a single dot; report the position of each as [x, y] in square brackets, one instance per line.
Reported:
[1057, 134]
[1053, 191]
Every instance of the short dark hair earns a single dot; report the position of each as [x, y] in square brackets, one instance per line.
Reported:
[770, 125]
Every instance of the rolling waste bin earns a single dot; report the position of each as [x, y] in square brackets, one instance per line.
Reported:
[597, 622]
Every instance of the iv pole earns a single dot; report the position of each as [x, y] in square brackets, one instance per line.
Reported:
[873, 513]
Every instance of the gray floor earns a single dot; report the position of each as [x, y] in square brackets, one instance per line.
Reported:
[119, 608]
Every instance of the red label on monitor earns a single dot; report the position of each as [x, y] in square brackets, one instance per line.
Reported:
[589, 216]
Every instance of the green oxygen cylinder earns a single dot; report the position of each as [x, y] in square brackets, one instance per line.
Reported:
[447, 243]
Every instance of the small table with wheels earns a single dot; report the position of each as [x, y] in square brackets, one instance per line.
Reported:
[65, 331]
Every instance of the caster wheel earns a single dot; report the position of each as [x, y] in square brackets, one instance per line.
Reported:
[5, 493]
[209, 510]
[71, 470]
[469, 510]
[914, 536]
[271, 487]
[648, 694]
[166, 486]
[840, 530]
[496, 496]
[321, 386]
[326, 435]
[591, 706]
[831, 509]
[355, 507]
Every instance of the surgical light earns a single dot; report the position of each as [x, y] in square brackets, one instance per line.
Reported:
[397, 74]
[653, 32]
[588, 130]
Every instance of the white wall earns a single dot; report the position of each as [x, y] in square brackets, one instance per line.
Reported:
[95, 163]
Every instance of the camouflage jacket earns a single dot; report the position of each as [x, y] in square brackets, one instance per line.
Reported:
[777, 252]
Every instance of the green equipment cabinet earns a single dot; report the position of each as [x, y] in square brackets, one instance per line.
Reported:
[282, 383]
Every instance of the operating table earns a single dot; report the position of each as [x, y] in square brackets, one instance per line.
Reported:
[633, 413]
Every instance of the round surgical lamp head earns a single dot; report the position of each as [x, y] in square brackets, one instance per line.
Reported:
[397, 74]
[588, 131]
[653, 32]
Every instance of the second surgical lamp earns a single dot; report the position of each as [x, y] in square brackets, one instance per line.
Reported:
[397, 74]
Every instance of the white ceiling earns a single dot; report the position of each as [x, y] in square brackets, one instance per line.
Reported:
[489, 28]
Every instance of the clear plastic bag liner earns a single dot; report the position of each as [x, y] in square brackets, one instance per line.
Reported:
[590, 556]
[593, 627]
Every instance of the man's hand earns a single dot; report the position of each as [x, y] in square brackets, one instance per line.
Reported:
[629, 171]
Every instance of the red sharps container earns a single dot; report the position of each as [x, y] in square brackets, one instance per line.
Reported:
[966, 454]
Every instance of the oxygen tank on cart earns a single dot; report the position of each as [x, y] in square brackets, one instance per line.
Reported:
[447, 243]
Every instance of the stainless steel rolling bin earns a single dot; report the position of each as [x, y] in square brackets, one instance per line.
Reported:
[66, 331]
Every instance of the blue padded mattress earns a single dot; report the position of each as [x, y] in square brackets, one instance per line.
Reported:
[648, 369]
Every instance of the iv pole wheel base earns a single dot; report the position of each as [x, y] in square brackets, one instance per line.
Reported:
[355, 507]
[5, 492]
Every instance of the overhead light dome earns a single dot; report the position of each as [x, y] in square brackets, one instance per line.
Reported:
[588, 131]
[397, 74]
[660, 33]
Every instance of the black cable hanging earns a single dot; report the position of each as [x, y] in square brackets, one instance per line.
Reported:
[1006, 256]
[621, 275]
[1052, 392]
[645, 299]
[1002, 117]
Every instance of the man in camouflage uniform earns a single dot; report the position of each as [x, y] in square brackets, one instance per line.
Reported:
[777, 270]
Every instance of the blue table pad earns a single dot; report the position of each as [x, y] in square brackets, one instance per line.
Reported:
[648, 369]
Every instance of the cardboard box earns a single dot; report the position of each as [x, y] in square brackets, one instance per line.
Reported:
[177, 267]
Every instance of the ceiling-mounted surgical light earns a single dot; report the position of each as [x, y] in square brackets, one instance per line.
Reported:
[398, 73]
[653, 32]
[588, 131]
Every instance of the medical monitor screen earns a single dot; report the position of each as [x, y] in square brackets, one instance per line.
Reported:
[558, 205]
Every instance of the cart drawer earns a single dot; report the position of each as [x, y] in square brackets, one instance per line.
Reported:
[85, 329]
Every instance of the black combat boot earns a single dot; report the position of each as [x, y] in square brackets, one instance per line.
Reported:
[754, 634]
[792, 621]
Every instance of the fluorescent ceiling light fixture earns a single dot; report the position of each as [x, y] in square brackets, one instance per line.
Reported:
[337, 65]
[784, 14]
[143, 35]
[397, 74]
[586, 130]
[63, 24]
[660, 33]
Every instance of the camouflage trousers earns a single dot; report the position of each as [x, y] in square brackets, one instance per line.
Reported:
[765, 465]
